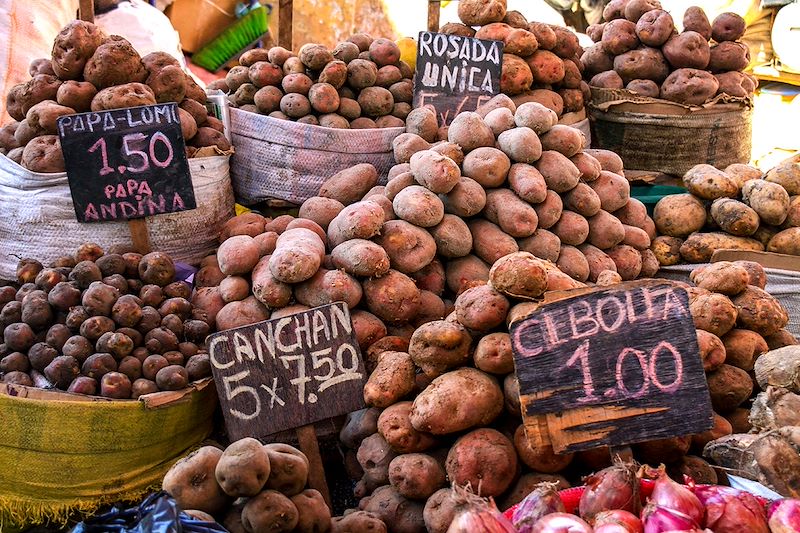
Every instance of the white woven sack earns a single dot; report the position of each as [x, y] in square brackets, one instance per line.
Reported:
[782, 284]
[284, 160]
[39, 218]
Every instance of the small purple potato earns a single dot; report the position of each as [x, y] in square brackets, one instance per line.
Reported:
[143, 386]
[40, 355]
[62, 371]
[98, 365]
[83, 385]
[115, 385]
[172, 377]
[78, 347]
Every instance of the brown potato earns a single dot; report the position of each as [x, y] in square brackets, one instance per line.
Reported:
[728, 27]
[729, 55]
[654, 27]
[643, 62]
[619, 36]
[695, 19]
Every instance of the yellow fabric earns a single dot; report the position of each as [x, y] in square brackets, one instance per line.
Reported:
[240, 210]
[61, 457]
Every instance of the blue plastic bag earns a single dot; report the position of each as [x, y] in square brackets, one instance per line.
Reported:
[159, 513]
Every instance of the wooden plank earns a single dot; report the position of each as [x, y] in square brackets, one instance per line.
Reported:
[307, 437]
[765, 259]
[610, 366]
[86, 10]
[140, 235]
[285, 14]
[434, 14]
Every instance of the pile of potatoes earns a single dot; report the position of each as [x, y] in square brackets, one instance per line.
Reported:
[541, 62]
[250, 487]
[398, 254]
[91, 71]
[737, 208]
[110, 324]
[638, 48]
[362, 83]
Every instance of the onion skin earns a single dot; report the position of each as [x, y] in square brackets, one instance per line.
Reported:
[481, 518]
[672, 495]
[561, 523]
[543, 500]
[615, 487]
[628, 522]
[729, 510]
[659, 519]
[784, 516]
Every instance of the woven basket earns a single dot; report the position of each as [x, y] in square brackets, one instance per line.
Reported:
[660, 136]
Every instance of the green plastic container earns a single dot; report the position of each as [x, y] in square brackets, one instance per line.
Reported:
[649, 195]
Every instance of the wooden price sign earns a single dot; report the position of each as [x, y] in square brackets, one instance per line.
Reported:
[456, 73]
[611, 367]
[126, 164]
[289, 372]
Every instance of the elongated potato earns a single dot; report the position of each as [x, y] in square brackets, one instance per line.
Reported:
[549, 211]
[489, 242]
[709, 183]
[699, 247]
[543, 244]
[452, 237]
[571, 228]
[514, 216]
[583, 200]
[409, 247]
[734, 217]
[440, 409]
[613, 190]
[785, 242]
[560, 174]
[360, 257]
[573, 263]
[392, 379]
[769, 200]
[467, 198]
[723, 277]
[597, 260]
[528, 183]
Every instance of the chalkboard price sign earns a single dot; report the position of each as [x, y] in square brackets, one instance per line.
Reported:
[285, 373]
[456, 73]
[612, 367]
[126, 163]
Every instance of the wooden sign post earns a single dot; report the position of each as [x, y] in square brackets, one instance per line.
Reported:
[127, 164]
[611, 367]
[434, 13]
[456, 73]
[288, 373]
[285, 15]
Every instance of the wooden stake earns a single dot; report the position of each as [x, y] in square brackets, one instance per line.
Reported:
[86, 10]
[285, 12]
[140, 235]
[434, 11]
[307, 436]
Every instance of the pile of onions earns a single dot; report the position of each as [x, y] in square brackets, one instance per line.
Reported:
[729, 510]
[613, 488]
[672, 506]
[542, 501]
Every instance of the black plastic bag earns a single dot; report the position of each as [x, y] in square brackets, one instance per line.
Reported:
[159, 513]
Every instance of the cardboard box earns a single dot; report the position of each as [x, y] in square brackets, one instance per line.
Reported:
[199, 21]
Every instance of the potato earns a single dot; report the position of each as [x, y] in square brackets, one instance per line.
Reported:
[714, 313]
[729, 55]
[563, 139]
[243, 468]
[419, 206]
[560, 174]
[350, 185]
[43, 154]
[712, 350]
[416, 475]
[607, 80]
[628, 261]
[490, 242]
[481, 308]
[729, 387]
[679, 215]
[72, 48]
[192, 483]
[550, 99]
[358, 521]
[612, 189]
[393, 297]
[375, 101]
[456, 28]
[465, 271]
[647, 88]
[360, 257]
[437, 346]
[528, 183]
[642, 63]
[243, 313]
[786, 242]
[238, 255]
[759, 311]
[769, 200]
[368, 328]
[535, 116]
[571, 228]
[708, 183]
[434, 411]
[469, 131]
[542, 459]
[406, 145]
[486, 165]
[479, 13]
[743, 347]
[699, 247]
[735, 84]
[520, 144]
[452, 237]
[270, 510]
[514, 216]
[787, 175]
[689, 86]
[596, 60]
[395, 427]
[361, 74]
[542, 244]
[734, 217]
[484, 458]
[654, 27]
[114, 62]
[549, 211]
[448, 149]
[316, 515]
[465, 199]
[695, 19]
[687, 50]
[328, 286]
[77, 95]
[288, 469]
[435, 171]
[619, 36]
[728, 27]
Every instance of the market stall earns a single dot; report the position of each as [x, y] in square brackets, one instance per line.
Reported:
[463, 320]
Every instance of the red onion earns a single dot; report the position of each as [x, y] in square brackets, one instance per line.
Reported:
[629, 522]
[560, 523]
[478, 515]
[671, 495]
[543, 500]
[731, 511]
[615, 487]
[784, 516]
[659, 519]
